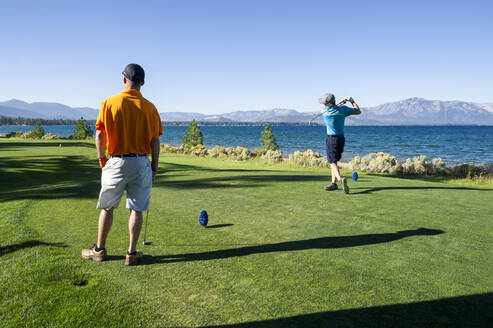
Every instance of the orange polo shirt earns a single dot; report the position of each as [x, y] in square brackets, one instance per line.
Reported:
[130, 122]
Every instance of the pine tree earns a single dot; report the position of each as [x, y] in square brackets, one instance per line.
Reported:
[193, 136]
[38, 132]
[268, 139]
[82, 130]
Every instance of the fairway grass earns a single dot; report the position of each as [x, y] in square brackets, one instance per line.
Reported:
[279, 251]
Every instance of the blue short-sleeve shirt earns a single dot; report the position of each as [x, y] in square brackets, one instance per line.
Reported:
[334, 118]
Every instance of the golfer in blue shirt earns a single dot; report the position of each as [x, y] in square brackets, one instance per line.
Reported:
[334, 116]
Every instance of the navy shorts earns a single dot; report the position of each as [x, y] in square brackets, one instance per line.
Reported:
[334, 145]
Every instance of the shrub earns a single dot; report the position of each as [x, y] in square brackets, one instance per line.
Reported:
[184, 149]
[420, 165]
[257, 152]
[268, 140]
[82, 130]
[308, 158]
[27, 135]
[199, 150]
[193, 136]
[165, 148]
[217, 151]
[272, 156]
[50, 136]
[241, 154]
[37, 133]
[376, 162]
[16, 134]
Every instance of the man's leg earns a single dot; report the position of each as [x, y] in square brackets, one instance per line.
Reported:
[104, 226]
[134, 226]
[334, 169]
[336, 176]
[98, 251]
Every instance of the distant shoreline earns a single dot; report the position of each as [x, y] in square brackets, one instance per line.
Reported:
[206, 123]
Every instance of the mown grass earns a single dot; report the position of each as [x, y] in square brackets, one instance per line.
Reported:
[279, 251]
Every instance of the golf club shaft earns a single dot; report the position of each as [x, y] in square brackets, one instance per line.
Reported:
[145, 230]
[314, 117]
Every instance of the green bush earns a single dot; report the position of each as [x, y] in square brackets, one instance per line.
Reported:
[193, 136]
[82, 130]
[37, 133]
[268, 140]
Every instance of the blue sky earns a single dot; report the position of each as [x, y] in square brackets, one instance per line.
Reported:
[220, 56]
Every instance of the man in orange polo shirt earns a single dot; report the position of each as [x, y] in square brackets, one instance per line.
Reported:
[130, 126]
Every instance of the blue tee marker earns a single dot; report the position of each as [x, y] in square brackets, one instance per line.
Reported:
[355, 176]
[203, 218]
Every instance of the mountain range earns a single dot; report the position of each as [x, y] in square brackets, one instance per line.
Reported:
[413, 111]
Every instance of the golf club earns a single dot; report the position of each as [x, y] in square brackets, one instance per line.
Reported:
[314, 117]
[145, 230]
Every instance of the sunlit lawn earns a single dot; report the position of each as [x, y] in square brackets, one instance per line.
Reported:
[279, 250]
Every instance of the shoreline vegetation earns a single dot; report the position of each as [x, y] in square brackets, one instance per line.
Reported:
[379, 163]
[81, 131]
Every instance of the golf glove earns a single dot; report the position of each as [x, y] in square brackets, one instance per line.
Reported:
[350, 99]
[102, 161]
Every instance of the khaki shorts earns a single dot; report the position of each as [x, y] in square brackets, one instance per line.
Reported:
[132, 174]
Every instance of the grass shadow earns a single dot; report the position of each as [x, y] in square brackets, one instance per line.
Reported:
[174, 167]
[371, 190]
[215, 226]
[238, 181]
[27, 244]
[316, 243]
[461, 311]
[33, 177]
[425, 178]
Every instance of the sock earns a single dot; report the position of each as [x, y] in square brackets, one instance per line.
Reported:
[97, 249]
[133, 253]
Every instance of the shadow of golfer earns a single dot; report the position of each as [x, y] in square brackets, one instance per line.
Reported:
[459, 311]
[316, 243]
[215, 226]
[27, 244]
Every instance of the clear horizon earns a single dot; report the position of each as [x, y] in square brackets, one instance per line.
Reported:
[215, 57]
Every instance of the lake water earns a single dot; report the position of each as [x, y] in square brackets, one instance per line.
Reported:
[454, 144]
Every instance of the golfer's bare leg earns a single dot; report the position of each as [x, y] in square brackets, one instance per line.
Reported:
[335, 172]
[134, 226]
[104, 226]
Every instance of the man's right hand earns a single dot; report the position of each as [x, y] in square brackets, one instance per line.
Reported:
[102, 161]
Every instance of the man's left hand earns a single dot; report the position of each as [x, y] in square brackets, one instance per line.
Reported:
[102, 161]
